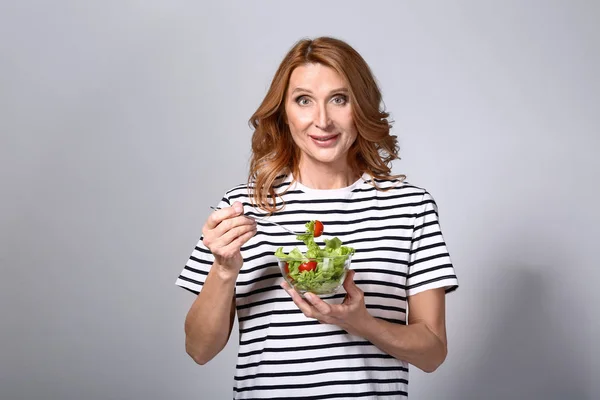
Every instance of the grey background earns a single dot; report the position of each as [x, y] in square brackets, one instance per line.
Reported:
[122, 121]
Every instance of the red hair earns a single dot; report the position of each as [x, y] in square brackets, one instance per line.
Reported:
[274, 153]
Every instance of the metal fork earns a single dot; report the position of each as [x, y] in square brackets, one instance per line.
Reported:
[267, 221]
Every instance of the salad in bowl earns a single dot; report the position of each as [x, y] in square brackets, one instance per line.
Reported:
[319, 270]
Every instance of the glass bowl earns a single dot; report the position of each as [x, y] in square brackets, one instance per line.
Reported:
[322, 276]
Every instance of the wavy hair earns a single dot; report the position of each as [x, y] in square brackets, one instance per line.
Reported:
[274, 153]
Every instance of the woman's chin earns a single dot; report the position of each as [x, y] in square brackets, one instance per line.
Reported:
[325, 159]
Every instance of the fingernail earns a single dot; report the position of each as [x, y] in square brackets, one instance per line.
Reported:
[238, 208]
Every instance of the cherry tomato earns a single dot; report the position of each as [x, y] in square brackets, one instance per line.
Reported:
[307, 266]
[318, 228]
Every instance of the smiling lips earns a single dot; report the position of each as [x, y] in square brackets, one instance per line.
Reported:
[324, 141]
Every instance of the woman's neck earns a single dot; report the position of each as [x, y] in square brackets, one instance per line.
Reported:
[326, 177]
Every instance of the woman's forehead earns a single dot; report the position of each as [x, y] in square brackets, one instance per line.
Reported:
[315, 78]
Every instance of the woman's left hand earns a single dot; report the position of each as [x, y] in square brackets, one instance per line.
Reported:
[351, 315]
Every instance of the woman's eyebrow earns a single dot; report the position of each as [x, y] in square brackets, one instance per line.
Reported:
[339, 90]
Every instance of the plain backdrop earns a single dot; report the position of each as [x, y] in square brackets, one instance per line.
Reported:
[121, 122]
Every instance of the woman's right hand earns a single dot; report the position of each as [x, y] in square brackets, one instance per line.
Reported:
[225, 231]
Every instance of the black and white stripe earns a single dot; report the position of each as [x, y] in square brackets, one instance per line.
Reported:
[400, 251]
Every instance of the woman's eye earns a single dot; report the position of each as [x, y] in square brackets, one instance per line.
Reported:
[303, 101]
[340, 100]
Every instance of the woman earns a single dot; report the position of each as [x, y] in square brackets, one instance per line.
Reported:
[321, 150]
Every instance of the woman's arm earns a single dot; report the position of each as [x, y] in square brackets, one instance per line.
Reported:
[210, 319]
[422, 342]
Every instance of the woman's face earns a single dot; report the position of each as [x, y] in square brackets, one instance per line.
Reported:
[319, 115]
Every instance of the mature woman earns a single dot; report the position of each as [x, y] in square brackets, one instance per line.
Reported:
[322, 149]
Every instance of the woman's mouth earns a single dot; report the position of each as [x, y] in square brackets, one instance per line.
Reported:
[325, 141]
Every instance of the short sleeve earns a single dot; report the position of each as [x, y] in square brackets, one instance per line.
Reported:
[196, 268]
[430, 265]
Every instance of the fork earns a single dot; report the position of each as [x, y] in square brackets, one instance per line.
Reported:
[267, 221]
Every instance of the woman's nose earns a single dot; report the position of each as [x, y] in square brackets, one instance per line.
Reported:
[322, 120]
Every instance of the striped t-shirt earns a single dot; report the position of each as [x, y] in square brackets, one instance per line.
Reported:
[400, 251]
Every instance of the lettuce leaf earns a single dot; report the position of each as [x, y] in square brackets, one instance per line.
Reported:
[330, 262]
